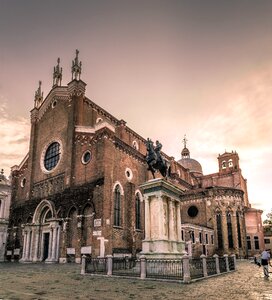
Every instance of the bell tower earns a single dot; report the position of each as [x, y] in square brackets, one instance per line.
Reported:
[228, 162]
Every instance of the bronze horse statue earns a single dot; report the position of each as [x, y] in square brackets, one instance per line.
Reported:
[154, 159]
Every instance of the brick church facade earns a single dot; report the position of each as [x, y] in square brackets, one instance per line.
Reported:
[77, 190]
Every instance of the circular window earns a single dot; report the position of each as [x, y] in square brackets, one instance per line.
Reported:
[129, 174]
[52, 156]
[192, 211]
[54, 103]
[23, 182]
[86, 157]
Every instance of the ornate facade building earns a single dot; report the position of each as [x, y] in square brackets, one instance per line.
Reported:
[5, 198]
[77, 190]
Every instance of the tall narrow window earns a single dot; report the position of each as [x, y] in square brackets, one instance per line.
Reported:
[229, 225]
[192, 233]
[238, 230]
[256, 243]
[117, 206]
[182, 235]
[248, 243]
[138, 211]
[200, 237]
[219, 231]
[212, 239]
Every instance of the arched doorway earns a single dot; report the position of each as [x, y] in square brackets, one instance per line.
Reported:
[41, 237]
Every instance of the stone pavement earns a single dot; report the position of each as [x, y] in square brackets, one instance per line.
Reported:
[45, 281]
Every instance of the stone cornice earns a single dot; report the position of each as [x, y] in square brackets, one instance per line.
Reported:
[215, 192]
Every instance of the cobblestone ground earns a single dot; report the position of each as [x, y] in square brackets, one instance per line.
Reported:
[43, 281]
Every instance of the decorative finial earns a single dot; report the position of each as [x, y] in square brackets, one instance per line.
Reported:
[38, 96]
[185, 153]
[184, 140]
[57, 74]
[76, 67]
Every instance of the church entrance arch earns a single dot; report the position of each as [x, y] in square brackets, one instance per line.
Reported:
[41, 238]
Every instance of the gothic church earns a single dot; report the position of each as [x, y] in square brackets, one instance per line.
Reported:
[77, 190]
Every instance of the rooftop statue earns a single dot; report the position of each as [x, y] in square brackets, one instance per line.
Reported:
[154, 159]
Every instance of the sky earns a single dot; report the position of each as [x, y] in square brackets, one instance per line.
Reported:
[168, 68]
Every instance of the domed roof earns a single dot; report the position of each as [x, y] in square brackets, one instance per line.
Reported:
[189, 163]
[193, 165]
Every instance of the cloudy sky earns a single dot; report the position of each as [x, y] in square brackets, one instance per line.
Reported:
[168, 68]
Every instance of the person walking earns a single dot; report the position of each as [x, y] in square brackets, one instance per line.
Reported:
[265, 260]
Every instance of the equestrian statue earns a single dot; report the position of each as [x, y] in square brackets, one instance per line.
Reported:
[154, 159]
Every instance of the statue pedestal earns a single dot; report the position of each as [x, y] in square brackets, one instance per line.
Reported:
[162, 220]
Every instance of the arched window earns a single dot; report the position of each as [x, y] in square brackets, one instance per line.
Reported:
[229, 225]
[117, 206]
[137, 211]
[230, 163]
[219, 231]
[224, 164]
[72, 228]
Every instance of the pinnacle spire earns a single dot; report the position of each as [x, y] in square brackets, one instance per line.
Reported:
[38, 96]
[57, 74]
[76, 67]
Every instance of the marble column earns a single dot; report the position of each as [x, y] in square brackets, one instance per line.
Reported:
[58, 242]
[24, 246]
[36, 244]
[27, 245]
[50, 245]
[178, 221]
[171, 217]
[147, 218]
[54, 244]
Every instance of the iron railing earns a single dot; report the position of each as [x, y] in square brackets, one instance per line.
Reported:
[222, 265]
[164, 268]
[211, 266]
[96, 265]
[196, 268]
[126, 266]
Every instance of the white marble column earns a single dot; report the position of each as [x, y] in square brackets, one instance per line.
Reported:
[178, 218]
[24, 246]
[160, 219]
[171, 217]
[27, 245]
[36, 245]
[54, 244]
[30, 244]
[50, 246]
[147, 218]
[58, 242]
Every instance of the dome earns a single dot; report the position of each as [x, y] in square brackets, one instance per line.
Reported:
[189, 163]
[193, 165]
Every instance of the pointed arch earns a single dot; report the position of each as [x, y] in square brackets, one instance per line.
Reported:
[121, 188]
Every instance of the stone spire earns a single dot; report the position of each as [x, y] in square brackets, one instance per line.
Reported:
[76, 67]
[57, 74]
[38, 96]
